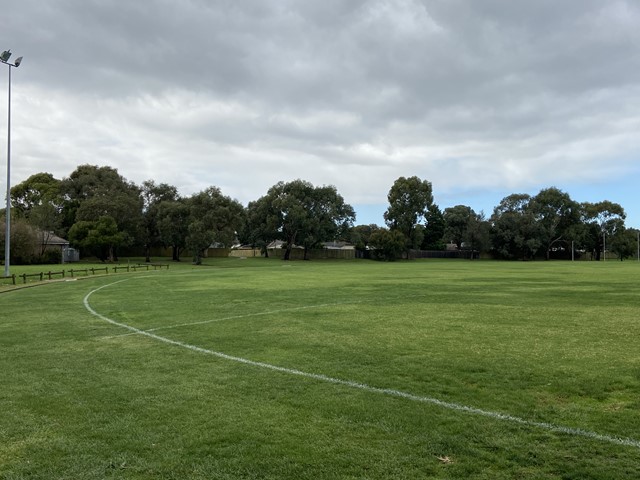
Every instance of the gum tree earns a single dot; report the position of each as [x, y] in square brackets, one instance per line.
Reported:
[557, 216]
[213, 218]
[302, 214]
[409, 202]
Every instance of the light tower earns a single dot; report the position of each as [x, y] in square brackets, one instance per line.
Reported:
[4, 58]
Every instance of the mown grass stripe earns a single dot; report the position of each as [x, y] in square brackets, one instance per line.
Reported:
[362, 386]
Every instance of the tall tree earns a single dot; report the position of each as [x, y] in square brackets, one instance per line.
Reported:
[261, 224]
[153, 195]
[37, 190]
[173, 225]
[306, 215]
[477, 236]
[434, 229]
[602, 219]
[557, 216]
[624, 243]
[330, 217]
[38, 200]
[289, 201]
[409, 201]
[93, 192]
[457, 221]
[514, 232]
[213, 218]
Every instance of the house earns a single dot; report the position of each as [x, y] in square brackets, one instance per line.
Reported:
[338, 246]
[50, 241]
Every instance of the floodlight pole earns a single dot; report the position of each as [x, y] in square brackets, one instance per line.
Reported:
[4, 58]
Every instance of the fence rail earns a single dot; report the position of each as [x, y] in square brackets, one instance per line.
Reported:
[73, 272]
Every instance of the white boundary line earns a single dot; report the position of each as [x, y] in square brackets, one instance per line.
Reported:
[629, 442]
[234, 317]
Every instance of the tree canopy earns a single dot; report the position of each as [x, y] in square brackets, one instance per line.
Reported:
[298, 213]
[409, 202]
[101, 213]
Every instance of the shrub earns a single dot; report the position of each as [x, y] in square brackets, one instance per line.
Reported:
[51, 257]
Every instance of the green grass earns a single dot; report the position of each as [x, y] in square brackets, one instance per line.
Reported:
[546, 342]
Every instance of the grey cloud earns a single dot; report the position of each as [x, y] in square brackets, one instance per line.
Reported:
[496, 91]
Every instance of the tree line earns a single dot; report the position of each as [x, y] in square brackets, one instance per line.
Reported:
[549, 224]
[100, 212]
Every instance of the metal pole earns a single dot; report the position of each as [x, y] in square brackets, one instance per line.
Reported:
[7, 235]
[573, 251]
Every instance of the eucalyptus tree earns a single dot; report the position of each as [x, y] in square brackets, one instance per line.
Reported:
[457, 222]
[514, 230]
[602, 219]
[173, 225]
[37, 190]
[557, 216]
[433, 232]
[39, 201]
[91, 193]
[213, 218]
[409, 202]
[624, 243]
[261, 224]
[330, 217]
[153, 195]
[304, 215]
[477, 236]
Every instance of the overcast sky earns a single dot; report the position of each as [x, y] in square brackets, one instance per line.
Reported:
[483, 98]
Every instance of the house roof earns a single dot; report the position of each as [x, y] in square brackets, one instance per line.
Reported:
[52, 239]
[338, 246]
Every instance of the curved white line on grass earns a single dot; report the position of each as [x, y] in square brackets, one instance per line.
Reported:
[629, 442]
[234, 317]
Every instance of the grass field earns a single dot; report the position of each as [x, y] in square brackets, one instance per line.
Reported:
[265, 369]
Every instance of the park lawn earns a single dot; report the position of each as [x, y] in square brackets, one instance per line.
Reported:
[355, 369]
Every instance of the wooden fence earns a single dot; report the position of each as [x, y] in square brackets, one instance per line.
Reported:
[73, 272]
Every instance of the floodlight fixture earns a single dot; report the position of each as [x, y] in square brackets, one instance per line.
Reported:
[4, 58]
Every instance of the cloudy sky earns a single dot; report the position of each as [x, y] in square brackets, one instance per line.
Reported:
[483, 98]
